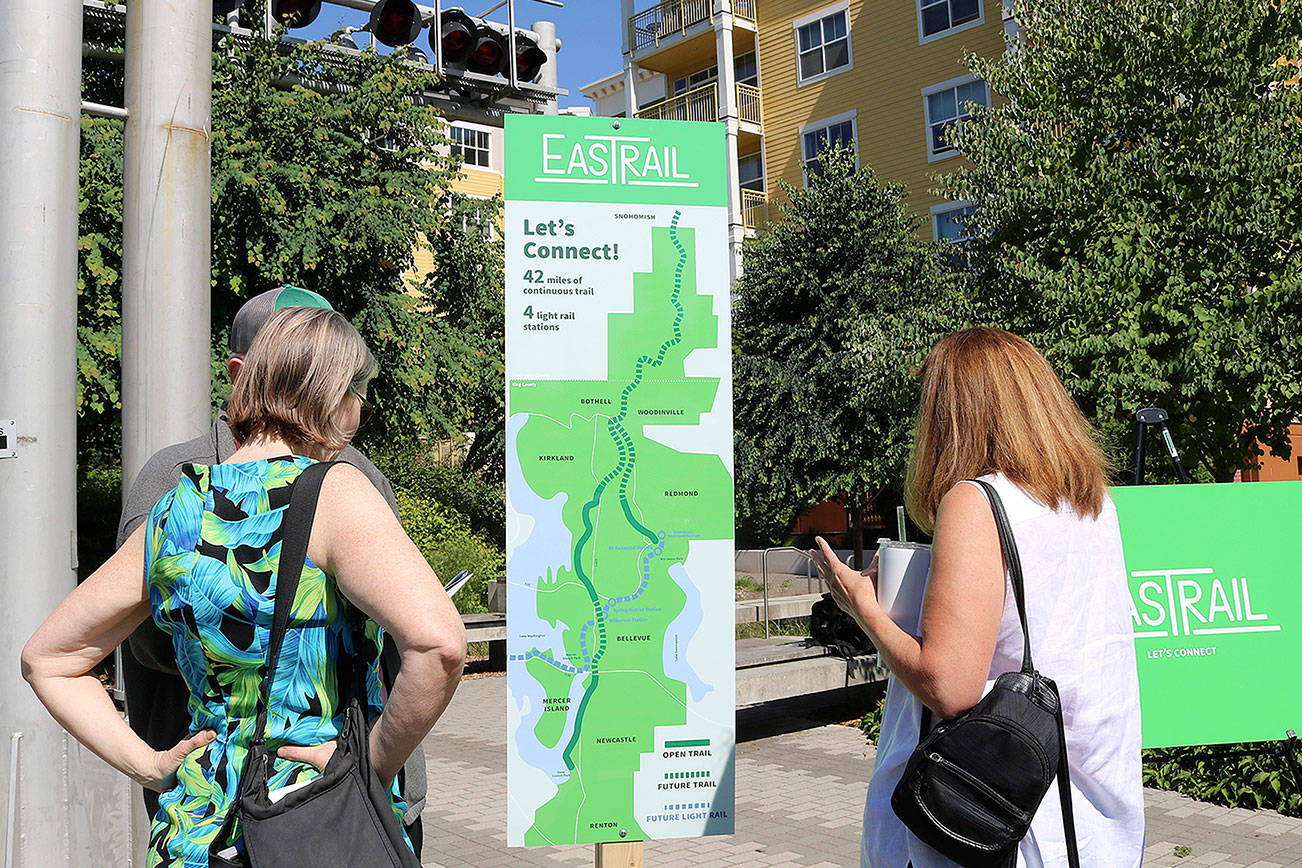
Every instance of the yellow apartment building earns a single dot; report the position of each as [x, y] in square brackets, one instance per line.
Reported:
[787, 76]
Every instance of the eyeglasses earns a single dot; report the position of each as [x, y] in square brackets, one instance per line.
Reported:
[367, 411]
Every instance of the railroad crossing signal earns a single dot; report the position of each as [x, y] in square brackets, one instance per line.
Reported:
[473, 44]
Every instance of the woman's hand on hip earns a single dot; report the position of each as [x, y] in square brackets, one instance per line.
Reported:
[853, 590]
[317, 755]
[160, 774]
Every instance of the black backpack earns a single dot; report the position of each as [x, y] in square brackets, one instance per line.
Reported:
[830, 625]
[974, 782]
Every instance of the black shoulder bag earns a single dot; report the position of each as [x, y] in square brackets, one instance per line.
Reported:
[343, 818]
[974, 782]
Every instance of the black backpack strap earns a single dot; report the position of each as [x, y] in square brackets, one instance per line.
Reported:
[295, 530]
[1064, 793]
[1013, 563]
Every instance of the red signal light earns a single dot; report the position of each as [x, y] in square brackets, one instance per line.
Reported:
[395, 22]
[295, 13]
[455, 35]
[487, 54]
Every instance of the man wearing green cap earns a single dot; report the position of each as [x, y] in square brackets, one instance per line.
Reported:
[156, 695]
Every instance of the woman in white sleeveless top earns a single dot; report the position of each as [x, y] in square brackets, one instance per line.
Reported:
[992, 408]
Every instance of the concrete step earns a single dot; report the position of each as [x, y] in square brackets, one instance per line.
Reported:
[749, 611]
[786, 666]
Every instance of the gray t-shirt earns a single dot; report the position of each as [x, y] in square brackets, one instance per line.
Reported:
[161, 474]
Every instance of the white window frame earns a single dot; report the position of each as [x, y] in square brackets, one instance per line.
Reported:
[813, 126]
[763, 175]
[493, 164]
[941, 34]
[927, 91]
[937, 211]
[843, 6]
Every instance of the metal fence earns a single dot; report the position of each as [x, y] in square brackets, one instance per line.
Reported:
[754, 208]
[669, 17]
[698, 104]
[748, 103]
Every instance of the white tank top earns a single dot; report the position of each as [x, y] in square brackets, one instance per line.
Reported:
[1078, 612]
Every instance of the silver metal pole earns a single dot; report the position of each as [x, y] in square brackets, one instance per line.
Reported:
[511, 50]
[728, 114]
[630, 65]
[167, 246]
[550, 46]
[40, 125]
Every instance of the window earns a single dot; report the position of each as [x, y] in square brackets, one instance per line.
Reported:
[695, 80]
[947, 220]
[823, 44]
[937, 18]
[946, 105]
[750, 172]
[471, 145]
[839, 130]
[746, 69]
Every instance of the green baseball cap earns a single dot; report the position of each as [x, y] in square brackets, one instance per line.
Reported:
[255, 312]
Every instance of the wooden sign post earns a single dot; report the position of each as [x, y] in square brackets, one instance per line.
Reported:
[619, 855]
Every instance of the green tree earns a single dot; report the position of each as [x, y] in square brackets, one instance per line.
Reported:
[468, 288]
[328, 172]
[838, 304]
[1140, 216]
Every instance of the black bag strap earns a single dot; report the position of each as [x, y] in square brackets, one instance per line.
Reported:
[295, 530]
[1013, 563]
[1064, 792]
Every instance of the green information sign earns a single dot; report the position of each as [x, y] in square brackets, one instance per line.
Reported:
[620, 609]
[1216, 604]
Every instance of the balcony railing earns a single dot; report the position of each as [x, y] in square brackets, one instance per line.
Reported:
[754, 208]
[668, 17]
[702, 104]
[748, 103]
[698, 104]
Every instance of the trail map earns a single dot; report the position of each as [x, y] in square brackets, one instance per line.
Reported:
[619, 480]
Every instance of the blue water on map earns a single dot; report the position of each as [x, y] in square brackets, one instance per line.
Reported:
[681, 631]
[546, 548]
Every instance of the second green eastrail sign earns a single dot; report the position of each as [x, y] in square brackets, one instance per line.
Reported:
[1216, 605]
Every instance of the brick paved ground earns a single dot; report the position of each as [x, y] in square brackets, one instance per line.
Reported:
[800, 793]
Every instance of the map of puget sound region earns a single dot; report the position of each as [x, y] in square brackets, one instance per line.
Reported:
[620, 526]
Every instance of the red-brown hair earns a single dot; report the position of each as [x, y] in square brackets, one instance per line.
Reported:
[991, 403]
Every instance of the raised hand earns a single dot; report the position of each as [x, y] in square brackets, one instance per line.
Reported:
[851, 589]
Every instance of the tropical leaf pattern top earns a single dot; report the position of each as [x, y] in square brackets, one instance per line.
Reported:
[212, 549]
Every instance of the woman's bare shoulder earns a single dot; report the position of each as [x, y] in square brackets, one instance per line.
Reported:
[346, 490]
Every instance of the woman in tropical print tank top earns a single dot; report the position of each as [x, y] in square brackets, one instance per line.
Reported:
[204, 567]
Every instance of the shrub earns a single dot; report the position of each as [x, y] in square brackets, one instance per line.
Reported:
[99, 505]
[447, 541]
[481, 505]
[1224, 777]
